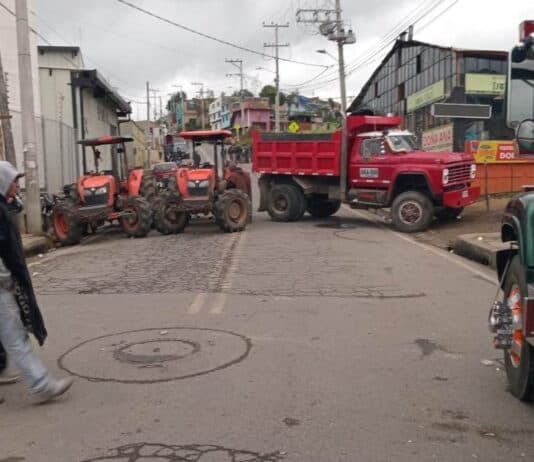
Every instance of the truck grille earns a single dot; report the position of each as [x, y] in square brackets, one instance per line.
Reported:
[460, 173]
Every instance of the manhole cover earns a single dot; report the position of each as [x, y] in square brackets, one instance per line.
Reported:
[189, 452]
[155, 355]
[335, 225]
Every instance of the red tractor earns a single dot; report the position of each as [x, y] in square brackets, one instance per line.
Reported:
[121, 193]
[203, 189]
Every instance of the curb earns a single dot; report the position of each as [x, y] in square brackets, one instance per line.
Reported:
[481, 248]
[35, 245]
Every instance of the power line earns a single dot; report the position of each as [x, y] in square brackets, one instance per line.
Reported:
[210, 37]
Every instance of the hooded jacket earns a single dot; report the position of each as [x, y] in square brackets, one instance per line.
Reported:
[12, 256]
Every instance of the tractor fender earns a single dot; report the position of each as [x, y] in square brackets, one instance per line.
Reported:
[135, 178]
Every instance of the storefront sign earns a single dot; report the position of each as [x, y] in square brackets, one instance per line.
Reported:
[438, 139]
[427, 95]
[485, 84]
[494, 151]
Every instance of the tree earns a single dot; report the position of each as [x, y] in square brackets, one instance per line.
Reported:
[269, 91]
[246, 93]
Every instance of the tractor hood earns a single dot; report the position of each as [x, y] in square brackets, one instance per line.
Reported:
[442, 157]
[91, 181]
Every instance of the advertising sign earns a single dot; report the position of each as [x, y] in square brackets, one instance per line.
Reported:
[494, 151]
[438, 139]
[426, 96]
[485, 84]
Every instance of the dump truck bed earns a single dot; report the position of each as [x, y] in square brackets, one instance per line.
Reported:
[296, 154]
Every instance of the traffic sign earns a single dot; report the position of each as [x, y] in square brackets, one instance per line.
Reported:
[294, 127]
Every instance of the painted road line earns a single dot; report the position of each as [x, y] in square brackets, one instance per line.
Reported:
[219, 302]
[197, 304]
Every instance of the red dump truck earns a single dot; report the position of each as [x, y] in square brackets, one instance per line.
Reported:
[384, 169]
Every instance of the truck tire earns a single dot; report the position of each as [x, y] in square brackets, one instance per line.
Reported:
[449, 213]
[167, 220]
[411, 212]
[519, 361]
[232, 210]
[67, 227]
[140, 221]
[286, 203]
[322, 208]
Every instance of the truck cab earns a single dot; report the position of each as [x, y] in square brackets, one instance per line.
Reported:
[385, 169]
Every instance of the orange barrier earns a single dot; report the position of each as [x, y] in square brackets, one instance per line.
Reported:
[504, 177]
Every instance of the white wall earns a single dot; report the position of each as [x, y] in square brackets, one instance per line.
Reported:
[8, 50]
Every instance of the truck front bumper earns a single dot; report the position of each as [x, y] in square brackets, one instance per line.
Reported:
[461, 197]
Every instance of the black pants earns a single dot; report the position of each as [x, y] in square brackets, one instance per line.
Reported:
[3, 358]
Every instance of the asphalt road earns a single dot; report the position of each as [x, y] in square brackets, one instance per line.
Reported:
[318, 341]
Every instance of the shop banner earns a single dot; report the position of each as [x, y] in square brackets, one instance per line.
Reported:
[438, 139]
[494, 151]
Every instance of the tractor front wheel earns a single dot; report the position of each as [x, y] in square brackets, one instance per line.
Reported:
[148, 187]
[137, 220]
[232, 210]
[67, 227]
[168, 219]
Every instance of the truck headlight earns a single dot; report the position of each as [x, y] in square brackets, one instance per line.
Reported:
[473, 171]
[445, 176]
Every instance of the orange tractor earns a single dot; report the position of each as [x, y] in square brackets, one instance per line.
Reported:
[205, 188]
[122, 193]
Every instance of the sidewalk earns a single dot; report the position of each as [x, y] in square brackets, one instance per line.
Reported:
[475, 235]
[34, 245]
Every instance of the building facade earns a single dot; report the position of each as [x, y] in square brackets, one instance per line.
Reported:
[251, 113]
[9, 56]
[77, 104]
[414, 75]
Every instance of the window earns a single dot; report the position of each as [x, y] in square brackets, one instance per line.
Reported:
[400, 92]
[418, 64]
[373, 147]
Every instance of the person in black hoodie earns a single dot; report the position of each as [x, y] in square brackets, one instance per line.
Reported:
[19, 311]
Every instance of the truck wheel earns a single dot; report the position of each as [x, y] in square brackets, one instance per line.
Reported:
[286, 203]
[449, 213]
[232, 210]
[519, 360]
[138, 222]
[167, 219]
[322, 208]
[411, 212]
[67, 227]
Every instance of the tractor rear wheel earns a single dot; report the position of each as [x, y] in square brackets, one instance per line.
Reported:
[168, 219]
[232, 210]
[148, 187]
[139, 219]
[67, 227]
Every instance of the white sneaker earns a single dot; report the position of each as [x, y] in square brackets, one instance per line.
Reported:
[54, 389]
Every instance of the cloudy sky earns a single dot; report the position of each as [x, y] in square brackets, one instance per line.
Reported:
[129, 47]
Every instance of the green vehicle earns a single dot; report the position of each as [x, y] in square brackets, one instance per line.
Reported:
[512, 319]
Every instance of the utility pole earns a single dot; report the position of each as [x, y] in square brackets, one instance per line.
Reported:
[154, 91]
[29, 145]
[148, 102]
[239, 64]
[201, 91]
[334, 30]
[276, 45]
[5, 122]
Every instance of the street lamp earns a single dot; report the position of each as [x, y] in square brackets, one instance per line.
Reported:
[324, 52]
[263, 69]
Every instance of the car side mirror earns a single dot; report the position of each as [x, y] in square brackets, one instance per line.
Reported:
[525, 135]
